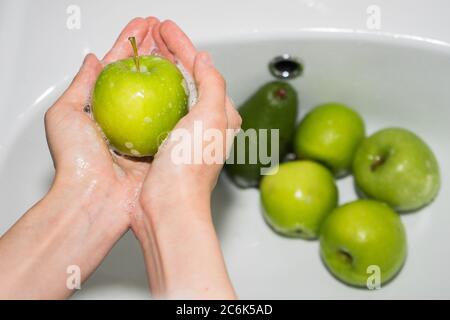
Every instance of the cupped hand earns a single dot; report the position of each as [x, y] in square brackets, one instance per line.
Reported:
[190, 183]
[137, 193]
[80, 154]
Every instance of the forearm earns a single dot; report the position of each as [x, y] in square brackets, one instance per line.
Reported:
[182, 252]
[70, 226]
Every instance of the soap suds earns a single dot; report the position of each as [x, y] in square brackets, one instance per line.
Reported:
[141, 68]
[184, 85]
[188, 84]
[119, 171]
[134, 152]
[81, 165]
[139, 94]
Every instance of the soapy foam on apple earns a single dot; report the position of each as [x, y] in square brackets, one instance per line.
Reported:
[142, 69]
[130, 147]
[188, 84]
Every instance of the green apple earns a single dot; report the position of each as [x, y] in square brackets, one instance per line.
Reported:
[137, 101]
[330, 134]
[359, 235]
[297, 197]
[397, 167]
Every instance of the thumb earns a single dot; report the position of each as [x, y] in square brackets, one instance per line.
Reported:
[80, 89]
[210, 83]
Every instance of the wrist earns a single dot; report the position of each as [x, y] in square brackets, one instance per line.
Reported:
[176, 198]
[71, 226]
[177, 209]
[183, 254]
[94, 200]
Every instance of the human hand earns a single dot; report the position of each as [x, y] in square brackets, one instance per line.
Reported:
[93, 195]
[175, 227]
[213, 110]
[81, 157]
[84, 159]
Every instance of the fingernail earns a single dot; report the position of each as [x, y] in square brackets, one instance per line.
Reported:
[206, 59]
[86, 57]
[232, 102]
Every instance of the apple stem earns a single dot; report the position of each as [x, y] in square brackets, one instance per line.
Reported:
[379, 161]
[345, 256]
[281, 93]
[135, 53]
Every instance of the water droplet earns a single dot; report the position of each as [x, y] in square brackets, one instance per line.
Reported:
[147, 120]
[135, 152]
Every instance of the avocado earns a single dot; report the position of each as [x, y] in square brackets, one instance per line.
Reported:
[273, 106]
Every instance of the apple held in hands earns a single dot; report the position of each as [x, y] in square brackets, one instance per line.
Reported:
[330, 134]
[137, 101]
[361, 234]
[397, 167]
[298, 197]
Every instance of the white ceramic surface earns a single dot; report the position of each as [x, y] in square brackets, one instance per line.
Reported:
[396, 76]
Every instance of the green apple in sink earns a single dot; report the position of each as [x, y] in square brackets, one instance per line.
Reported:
[297, 197]
[397, 167]
[330, 134]
[363, 238]
[137, 102]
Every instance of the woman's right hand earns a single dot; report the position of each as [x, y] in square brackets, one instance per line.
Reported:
[175, 230]
[213, 113]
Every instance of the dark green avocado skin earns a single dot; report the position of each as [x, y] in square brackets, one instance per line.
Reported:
[273, 106]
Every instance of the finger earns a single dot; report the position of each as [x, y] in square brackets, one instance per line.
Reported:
[233, 117]
[160, 44]
[234, 122]
[178, 44]
[122, 49]
[210, 83]
[79, 91]
[148, 44]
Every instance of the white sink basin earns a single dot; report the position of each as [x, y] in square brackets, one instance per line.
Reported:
[399, 76]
